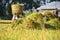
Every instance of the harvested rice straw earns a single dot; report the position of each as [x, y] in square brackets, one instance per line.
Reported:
[17, 9]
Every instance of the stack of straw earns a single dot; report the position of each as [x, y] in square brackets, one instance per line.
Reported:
[17, 9]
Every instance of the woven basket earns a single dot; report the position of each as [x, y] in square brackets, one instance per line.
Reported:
[17, 9]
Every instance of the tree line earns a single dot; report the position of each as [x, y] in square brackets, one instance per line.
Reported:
[5, 5]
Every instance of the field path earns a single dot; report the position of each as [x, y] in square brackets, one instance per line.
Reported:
[5, 21]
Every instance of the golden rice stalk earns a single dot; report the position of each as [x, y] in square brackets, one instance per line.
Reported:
[17, 9]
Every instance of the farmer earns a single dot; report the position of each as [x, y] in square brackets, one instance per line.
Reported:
[15, 17]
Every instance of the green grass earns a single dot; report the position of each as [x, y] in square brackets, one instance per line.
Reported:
[8, 33]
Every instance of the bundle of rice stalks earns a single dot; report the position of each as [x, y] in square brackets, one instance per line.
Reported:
[37, 19]
[49, 13]
[17, 9]
[53, 23]
[28, 23]
[34, 20]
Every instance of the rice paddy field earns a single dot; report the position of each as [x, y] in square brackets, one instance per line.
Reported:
[24, 28]
[7, 33]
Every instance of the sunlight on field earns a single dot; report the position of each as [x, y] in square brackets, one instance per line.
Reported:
[7, 33]
[24, 28]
